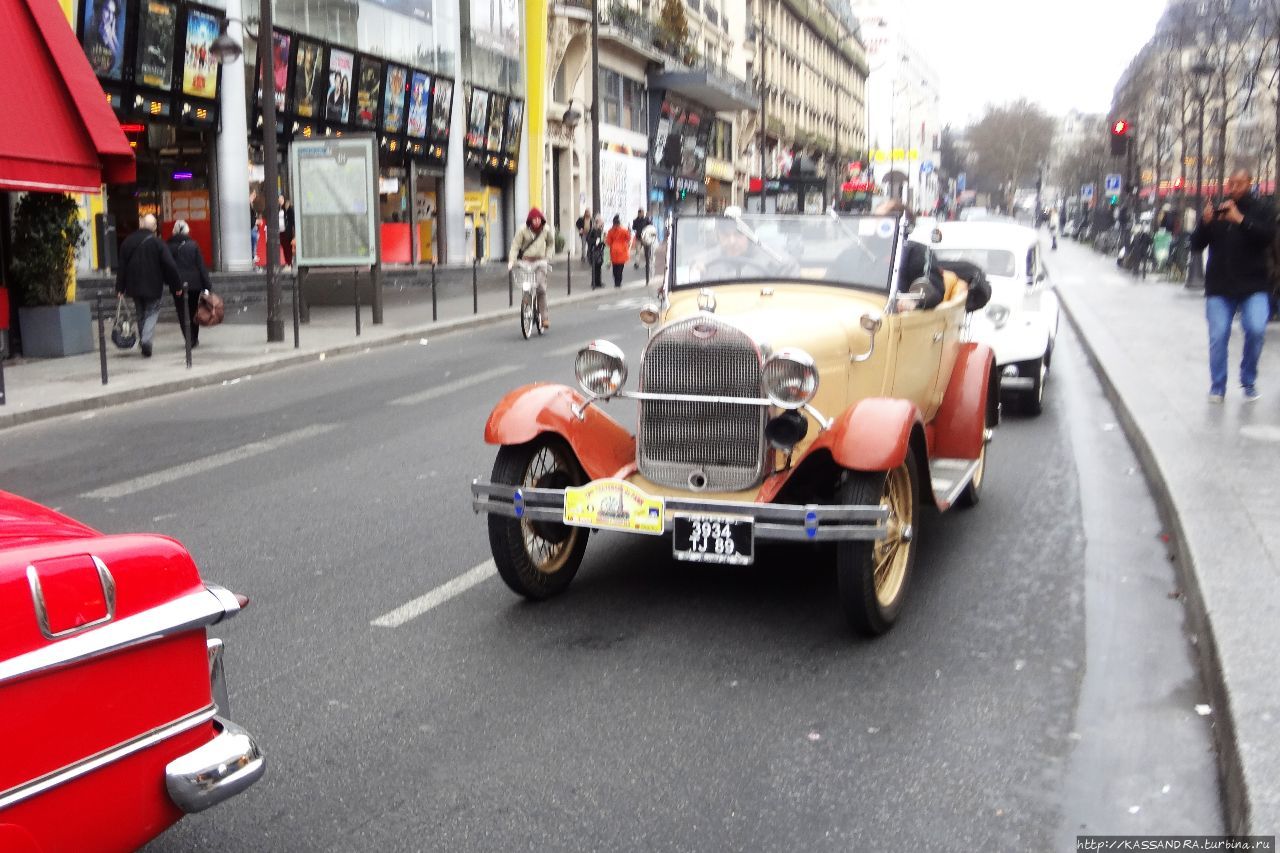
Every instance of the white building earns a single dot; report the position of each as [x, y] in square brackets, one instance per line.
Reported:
[904, 121]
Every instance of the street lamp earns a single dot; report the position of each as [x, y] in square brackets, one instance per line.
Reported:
[226, 50]
[1200, 70]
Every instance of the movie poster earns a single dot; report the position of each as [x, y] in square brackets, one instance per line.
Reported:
[280, 69]
[497, 117]
[338, 100]
[393, 107]
[199, 68]
[441, 108]
[419, 104]
[308, 95]
[477, 118]
[367, 92]
[515, 115]
[104, 36]
[158, 22]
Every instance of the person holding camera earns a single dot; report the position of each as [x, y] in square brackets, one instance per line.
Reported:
[1238, 233]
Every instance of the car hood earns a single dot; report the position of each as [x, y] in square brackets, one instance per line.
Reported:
[24, 522]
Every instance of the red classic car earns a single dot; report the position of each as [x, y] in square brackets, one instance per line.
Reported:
[113, 707]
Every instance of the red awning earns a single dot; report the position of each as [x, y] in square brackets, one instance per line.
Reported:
[57, 131]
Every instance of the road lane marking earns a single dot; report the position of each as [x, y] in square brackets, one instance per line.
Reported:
[451, 387]
[437, 596]
[563, 351]
[200, 466]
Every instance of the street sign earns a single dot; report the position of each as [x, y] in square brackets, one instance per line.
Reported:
[1086, 192]
[1112, 185]
[960, 182]
[926, 167]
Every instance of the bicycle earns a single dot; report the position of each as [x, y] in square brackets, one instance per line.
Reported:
[527, 274]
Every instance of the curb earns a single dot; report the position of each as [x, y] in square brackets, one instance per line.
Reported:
[285, 360]
[1235, 794]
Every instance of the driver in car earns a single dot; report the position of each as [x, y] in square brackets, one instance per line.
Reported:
[737, 255]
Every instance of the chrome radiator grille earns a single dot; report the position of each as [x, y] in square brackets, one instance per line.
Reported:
[722, 441]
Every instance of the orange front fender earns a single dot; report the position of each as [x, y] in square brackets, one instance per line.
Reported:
[602, 445]
[874, 435]
[958, 429]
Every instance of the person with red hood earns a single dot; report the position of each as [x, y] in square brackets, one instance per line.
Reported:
[534, 244]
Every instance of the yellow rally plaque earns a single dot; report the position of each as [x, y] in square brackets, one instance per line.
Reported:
[613, 505]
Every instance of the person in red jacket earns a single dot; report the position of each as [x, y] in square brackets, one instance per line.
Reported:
[619, 242]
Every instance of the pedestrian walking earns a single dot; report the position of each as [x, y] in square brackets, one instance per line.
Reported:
[146, 266]
[1238, 233]
[619, 241]
[638, 225]
[594, 240]
[287, 222]
[583, 224]
[255, 205]
[535, 243]
[193, 273]
[1053, 228]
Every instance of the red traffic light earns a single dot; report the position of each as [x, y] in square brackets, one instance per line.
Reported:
[1120, 128]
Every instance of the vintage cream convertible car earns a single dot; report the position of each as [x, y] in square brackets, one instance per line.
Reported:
[792, 389]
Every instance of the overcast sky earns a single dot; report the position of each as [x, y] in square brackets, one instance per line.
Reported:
[1058, 53]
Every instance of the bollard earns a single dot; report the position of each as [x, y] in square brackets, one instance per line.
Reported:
[646, 267]
[185, 319]
[102, 339]
[475, 286]
[568, 275]
[357, 287]
[2, 378]
[511, 289]
[433, 291]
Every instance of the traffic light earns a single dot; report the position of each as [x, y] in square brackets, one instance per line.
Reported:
[1119, 138]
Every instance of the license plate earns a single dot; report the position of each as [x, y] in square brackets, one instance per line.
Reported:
[726, 539]
[613, 505]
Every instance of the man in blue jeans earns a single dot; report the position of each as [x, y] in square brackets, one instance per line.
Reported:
[1237, 233]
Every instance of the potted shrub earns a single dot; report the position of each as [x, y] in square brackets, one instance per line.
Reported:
[46, 234]
[559, 242]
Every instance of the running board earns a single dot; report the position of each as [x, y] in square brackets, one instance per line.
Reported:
[949, 477]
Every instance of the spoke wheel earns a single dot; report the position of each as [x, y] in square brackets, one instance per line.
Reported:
[873, 577]
[526, 316]
[536, 559]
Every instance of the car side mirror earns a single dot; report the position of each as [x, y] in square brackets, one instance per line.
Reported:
[870, 321]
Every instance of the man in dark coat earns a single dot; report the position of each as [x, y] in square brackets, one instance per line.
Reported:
[1238, 234]
[192, 271]
[146, 266]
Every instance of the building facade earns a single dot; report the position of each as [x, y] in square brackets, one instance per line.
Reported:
[904, 115]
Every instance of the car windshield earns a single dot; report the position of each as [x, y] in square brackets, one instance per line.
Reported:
[992, 261]
[856, 251]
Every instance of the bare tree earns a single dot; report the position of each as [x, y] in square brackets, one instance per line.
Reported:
[1237, 59]
[1009, 143]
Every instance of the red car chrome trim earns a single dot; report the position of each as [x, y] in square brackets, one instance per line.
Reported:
[42, 610]
[197, 610]
[26, 790]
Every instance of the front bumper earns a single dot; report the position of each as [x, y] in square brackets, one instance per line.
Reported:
[772, 522]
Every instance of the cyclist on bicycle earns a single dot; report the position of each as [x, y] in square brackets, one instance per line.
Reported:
[534, 244]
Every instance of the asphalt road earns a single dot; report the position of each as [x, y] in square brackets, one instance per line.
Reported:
[1039, 684]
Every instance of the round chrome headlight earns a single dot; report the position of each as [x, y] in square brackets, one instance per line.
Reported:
[601, 369]
[998, 314]
[789, 378]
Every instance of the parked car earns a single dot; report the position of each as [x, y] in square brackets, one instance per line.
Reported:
[1020, 323]
[113, 704]
[790, 391]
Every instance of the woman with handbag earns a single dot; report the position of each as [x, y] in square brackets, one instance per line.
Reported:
[194, 275]
[595, 250]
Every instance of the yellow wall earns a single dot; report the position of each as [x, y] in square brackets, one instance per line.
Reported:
[536, 87]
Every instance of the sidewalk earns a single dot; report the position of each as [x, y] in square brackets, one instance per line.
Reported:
[1215, 471]
[45, 388]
